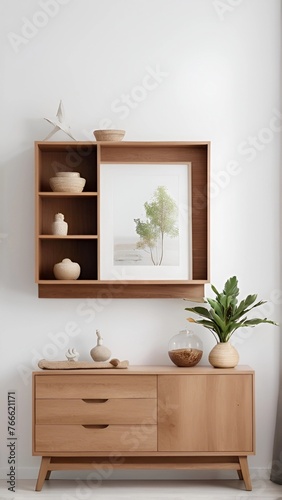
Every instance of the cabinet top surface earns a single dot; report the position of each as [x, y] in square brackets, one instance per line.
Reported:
[151, 370]
[122, 143]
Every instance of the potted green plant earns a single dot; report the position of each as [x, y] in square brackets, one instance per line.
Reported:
[223, 317]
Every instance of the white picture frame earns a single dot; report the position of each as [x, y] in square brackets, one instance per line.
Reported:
[125, 188]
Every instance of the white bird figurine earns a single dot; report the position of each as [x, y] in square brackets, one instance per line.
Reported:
[59, 123]
[72, 354]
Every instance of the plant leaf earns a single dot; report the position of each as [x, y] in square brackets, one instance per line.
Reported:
[214, 290]
[216, 307]
[209, 324]
[202, 311]
[257, 321]
[231, 287]
[220, 323]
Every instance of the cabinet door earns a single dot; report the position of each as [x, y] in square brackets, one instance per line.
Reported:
[205, 413]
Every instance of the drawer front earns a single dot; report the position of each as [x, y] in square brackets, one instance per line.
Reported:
[79, 438]
[96, 411]
[95, 386]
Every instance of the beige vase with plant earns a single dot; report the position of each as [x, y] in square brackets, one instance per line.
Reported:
[224, 316]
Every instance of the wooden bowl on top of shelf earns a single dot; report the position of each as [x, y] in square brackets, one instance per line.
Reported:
[109, 135]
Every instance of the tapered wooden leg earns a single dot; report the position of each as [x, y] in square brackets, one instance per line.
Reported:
[49, 474]
[43, 472]
[240, 475]
[243, 461]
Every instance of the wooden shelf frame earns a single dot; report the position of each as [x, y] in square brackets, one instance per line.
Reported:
[82, 212]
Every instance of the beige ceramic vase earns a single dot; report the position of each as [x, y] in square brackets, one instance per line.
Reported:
[66, 270]
[100, 352]
[59, 226]
[224, 355]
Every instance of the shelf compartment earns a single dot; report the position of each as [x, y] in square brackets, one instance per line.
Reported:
[198, 155]
[80, 214]
[68, 157]
[144, 152]
[82, 251]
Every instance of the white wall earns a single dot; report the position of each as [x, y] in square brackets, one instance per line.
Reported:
[216, 74]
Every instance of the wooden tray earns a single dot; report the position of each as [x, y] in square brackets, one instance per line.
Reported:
[81, 365]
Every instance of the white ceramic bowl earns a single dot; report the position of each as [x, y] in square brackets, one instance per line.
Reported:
[67, 184]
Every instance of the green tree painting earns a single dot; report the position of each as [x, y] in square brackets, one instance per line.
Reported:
[161, 220]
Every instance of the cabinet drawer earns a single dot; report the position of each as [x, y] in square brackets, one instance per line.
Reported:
[95, 386]
[96, 411]
[79, 438]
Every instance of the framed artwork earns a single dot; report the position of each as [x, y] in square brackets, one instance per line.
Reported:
[145, 222]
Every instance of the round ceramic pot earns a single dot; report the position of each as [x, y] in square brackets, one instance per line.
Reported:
[66, 270]
[224, 355]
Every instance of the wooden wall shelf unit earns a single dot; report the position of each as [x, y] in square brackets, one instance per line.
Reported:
[82, 211]
[160, 417]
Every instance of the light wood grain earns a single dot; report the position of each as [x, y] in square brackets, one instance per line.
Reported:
[205, 413]
[96, 386]
[73, 438]
[96, 411]
[169, 369]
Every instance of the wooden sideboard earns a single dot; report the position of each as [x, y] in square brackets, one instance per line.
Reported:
[161, 417]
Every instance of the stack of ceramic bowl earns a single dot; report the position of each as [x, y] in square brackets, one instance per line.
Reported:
[67, 182]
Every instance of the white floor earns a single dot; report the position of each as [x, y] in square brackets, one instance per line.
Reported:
[143, 490]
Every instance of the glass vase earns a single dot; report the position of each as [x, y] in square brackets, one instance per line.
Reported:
[185, 348]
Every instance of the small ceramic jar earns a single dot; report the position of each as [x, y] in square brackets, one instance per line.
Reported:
[66, 270]
[60, 226]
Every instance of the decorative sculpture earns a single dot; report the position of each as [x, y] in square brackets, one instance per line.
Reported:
[59, 123]
[100, 352]
[72, 354]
